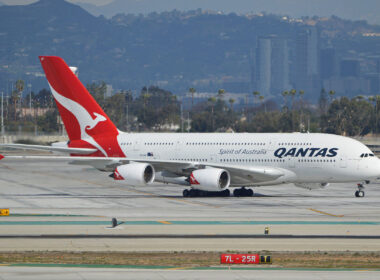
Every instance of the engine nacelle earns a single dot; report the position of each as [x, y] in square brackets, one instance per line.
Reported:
[311, 186]
[210, 179]
[135, 173]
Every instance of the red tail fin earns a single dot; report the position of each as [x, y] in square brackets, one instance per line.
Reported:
[84, 119]
[82, 116]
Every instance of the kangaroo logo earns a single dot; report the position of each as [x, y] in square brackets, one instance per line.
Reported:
[85, 120]
[98, 118]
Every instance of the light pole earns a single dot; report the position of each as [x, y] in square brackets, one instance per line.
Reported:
[2, 114]
[30, 98]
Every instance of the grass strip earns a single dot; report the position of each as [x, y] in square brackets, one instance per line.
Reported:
[196, 260]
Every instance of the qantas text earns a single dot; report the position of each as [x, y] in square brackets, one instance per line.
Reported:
[306, 152]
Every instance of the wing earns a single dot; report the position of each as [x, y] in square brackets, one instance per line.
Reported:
[82, 151]
[239, 174]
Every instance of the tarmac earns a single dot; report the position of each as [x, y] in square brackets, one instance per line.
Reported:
[57, 206]
[69, 273]
[60, 207]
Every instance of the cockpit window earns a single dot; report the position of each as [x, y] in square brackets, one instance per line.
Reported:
[366, 155]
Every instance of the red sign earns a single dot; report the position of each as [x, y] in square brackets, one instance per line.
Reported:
[239, 259]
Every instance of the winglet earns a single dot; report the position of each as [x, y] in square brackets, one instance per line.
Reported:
[1, 157]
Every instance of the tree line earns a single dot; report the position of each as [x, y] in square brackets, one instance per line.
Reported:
[156, 109]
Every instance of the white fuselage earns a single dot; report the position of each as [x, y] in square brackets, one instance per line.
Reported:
[304, 157]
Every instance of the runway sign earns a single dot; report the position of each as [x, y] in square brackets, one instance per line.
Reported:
[239, 259]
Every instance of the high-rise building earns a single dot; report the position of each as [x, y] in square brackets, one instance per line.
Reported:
[306, 61]
[271, 65]
[328, 63]
[350, 68]
[280, 65]
[263, 65]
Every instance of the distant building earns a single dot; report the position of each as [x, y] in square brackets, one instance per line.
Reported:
[348, 86]
[306, 61]
[349, 68]
[280, 65]
[328, 63]
[374, 83]
[263, 65]
[109, 90]
[271, 65]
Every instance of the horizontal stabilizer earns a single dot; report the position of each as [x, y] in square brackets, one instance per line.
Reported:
[81, 151]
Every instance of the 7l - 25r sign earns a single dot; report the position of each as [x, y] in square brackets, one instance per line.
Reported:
[239, 259]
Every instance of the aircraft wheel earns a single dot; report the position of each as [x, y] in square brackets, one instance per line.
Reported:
[250, 192]
[226, 193]
[186, 193]
[202, 193]
[237, 192]
[192, 193]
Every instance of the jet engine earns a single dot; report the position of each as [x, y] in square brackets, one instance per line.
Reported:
[135, 173]
[311, 186]
[210, 179]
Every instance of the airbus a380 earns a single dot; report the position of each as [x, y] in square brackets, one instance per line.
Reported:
[205, 163]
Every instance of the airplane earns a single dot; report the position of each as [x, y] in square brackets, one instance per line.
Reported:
[208, 164]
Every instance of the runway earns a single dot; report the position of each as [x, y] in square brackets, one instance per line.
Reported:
[185, 236]
[8, 273]
[54, 199]
[74, 273]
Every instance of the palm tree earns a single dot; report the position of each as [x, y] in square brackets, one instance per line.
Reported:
[212, 100]
[192, 92]
[377, 101]
[145, 97]
[359, 97]
[331, 94]
[293, 94]
[20, 85]
[15, 97]
[256, 94]
[231, 101]
[373, 100]
[285, 95]
[301, 93]
[261, 98]
[221, 93]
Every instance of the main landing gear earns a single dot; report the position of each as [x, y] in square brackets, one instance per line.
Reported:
[199, 193]
[360, 192]
[243, 192]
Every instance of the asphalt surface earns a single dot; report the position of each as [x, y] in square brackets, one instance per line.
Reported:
[75, 202]
[34, 273]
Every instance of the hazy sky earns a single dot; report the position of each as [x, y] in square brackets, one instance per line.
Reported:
[348, 9]
[18, 2]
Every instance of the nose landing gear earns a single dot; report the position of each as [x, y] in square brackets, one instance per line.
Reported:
[360, 192]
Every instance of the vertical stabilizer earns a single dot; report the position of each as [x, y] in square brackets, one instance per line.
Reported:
[83, 118]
